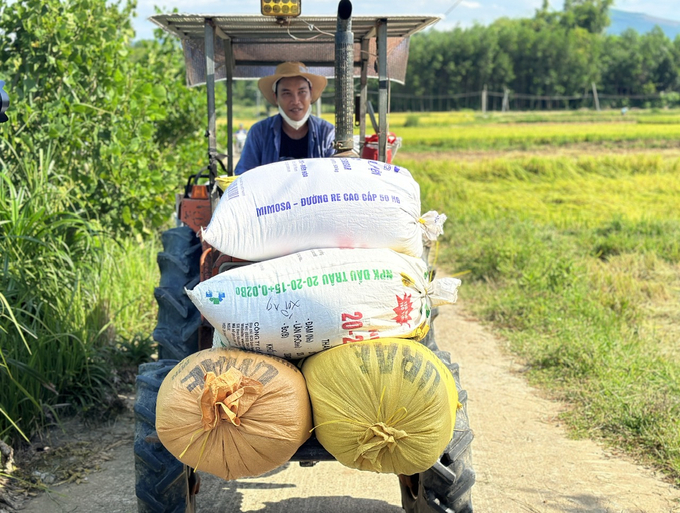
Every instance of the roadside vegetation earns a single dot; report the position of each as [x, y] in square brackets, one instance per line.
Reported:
[575, 260]
[576, 263]
[94, 151]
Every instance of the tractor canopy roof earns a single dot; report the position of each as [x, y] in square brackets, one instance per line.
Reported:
[259, 43]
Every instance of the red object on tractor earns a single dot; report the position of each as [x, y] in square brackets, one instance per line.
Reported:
[194, 209]
[371, 149]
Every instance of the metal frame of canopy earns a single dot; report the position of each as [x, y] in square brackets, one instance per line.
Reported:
[224, 47]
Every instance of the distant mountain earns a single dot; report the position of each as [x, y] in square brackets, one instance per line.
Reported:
[622, 20]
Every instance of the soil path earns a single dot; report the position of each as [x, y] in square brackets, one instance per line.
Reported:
[524, 460]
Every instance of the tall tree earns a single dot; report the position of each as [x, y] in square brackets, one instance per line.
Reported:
[591, 15]
[553, 53]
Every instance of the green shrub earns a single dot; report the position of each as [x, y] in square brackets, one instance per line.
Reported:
[412, 120]
[113, 122]
[75, 306]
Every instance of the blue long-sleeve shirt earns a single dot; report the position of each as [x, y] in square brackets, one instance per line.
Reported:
[263, 144]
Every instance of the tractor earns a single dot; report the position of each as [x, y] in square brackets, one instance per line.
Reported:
[231, 47]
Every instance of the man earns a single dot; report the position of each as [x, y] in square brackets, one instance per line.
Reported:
[293, 133]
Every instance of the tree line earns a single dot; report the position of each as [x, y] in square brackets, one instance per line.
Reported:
[554, 53]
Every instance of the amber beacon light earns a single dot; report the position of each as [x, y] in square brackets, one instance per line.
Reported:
[281, 8]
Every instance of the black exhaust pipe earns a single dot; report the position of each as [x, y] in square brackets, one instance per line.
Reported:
[344, 80]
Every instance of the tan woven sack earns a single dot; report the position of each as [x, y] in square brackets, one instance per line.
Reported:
[233, 413]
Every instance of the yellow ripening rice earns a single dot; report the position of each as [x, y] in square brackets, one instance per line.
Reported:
[233, 413]
[386, 405]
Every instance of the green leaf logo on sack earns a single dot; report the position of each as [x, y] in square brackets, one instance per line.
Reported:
[215, 300]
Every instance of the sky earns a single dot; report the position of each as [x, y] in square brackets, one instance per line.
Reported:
[463, 13]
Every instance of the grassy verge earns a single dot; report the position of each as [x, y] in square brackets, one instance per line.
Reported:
[63, 287]
[577, 263]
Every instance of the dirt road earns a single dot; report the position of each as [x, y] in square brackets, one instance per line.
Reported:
[524, 460]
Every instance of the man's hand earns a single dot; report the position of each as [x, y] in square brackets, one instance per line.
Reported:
[4, 103]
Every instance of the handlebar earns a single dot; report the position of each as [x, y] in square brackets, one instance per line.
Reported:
[4, 103]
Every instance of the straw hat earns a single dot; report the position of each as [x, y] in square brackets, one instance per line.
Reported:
[291, 69]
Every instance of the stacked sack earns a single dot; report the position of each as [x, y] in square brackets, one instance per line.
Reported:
[295, 205]
[297, 305]
[339, 278]
[338, 244]
[386, 406]
[233, 413]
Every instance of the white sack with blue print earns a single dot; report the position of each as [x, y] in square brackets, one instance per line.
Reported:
[297, 305]
[295, 205]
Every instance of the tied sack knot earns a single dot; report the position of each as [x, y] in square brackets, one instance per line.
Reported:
[227, 397]
[432, 224]
[443, 291]
[375, 440]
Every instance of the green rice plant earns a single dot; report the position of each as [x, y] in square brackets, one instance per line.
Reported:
[561, 190]
[659, 120]
[412, 120]
[576, 262]
[624, 236]
[127, 276]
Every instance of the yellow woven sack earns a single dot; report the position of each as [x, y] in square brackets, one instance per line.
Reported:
[233, 413]
[386, 405]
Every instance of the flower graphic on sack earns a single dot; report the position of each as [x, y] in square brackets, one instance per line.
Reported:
[215, 300]
[404, 309]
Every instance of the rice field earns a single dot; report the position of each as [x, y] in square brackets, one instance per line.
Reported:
[574, 259]
[564, 227]
[530, 135]
[567, 116]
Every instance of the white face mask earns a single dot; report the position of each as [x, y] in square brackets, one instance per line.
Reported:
[295, 124]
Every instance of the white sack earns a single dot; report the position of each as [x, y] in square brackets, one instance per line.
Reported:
[300, 304]
[294, 205]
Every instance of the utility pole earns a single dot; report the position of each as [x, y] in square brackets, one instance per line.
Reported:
[505, 106]
[597, 100]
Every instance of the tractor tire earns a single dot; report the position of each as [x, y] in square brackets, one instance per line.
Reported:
[429, 340]
[162, 482]
[178, 318]
[446, 486]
